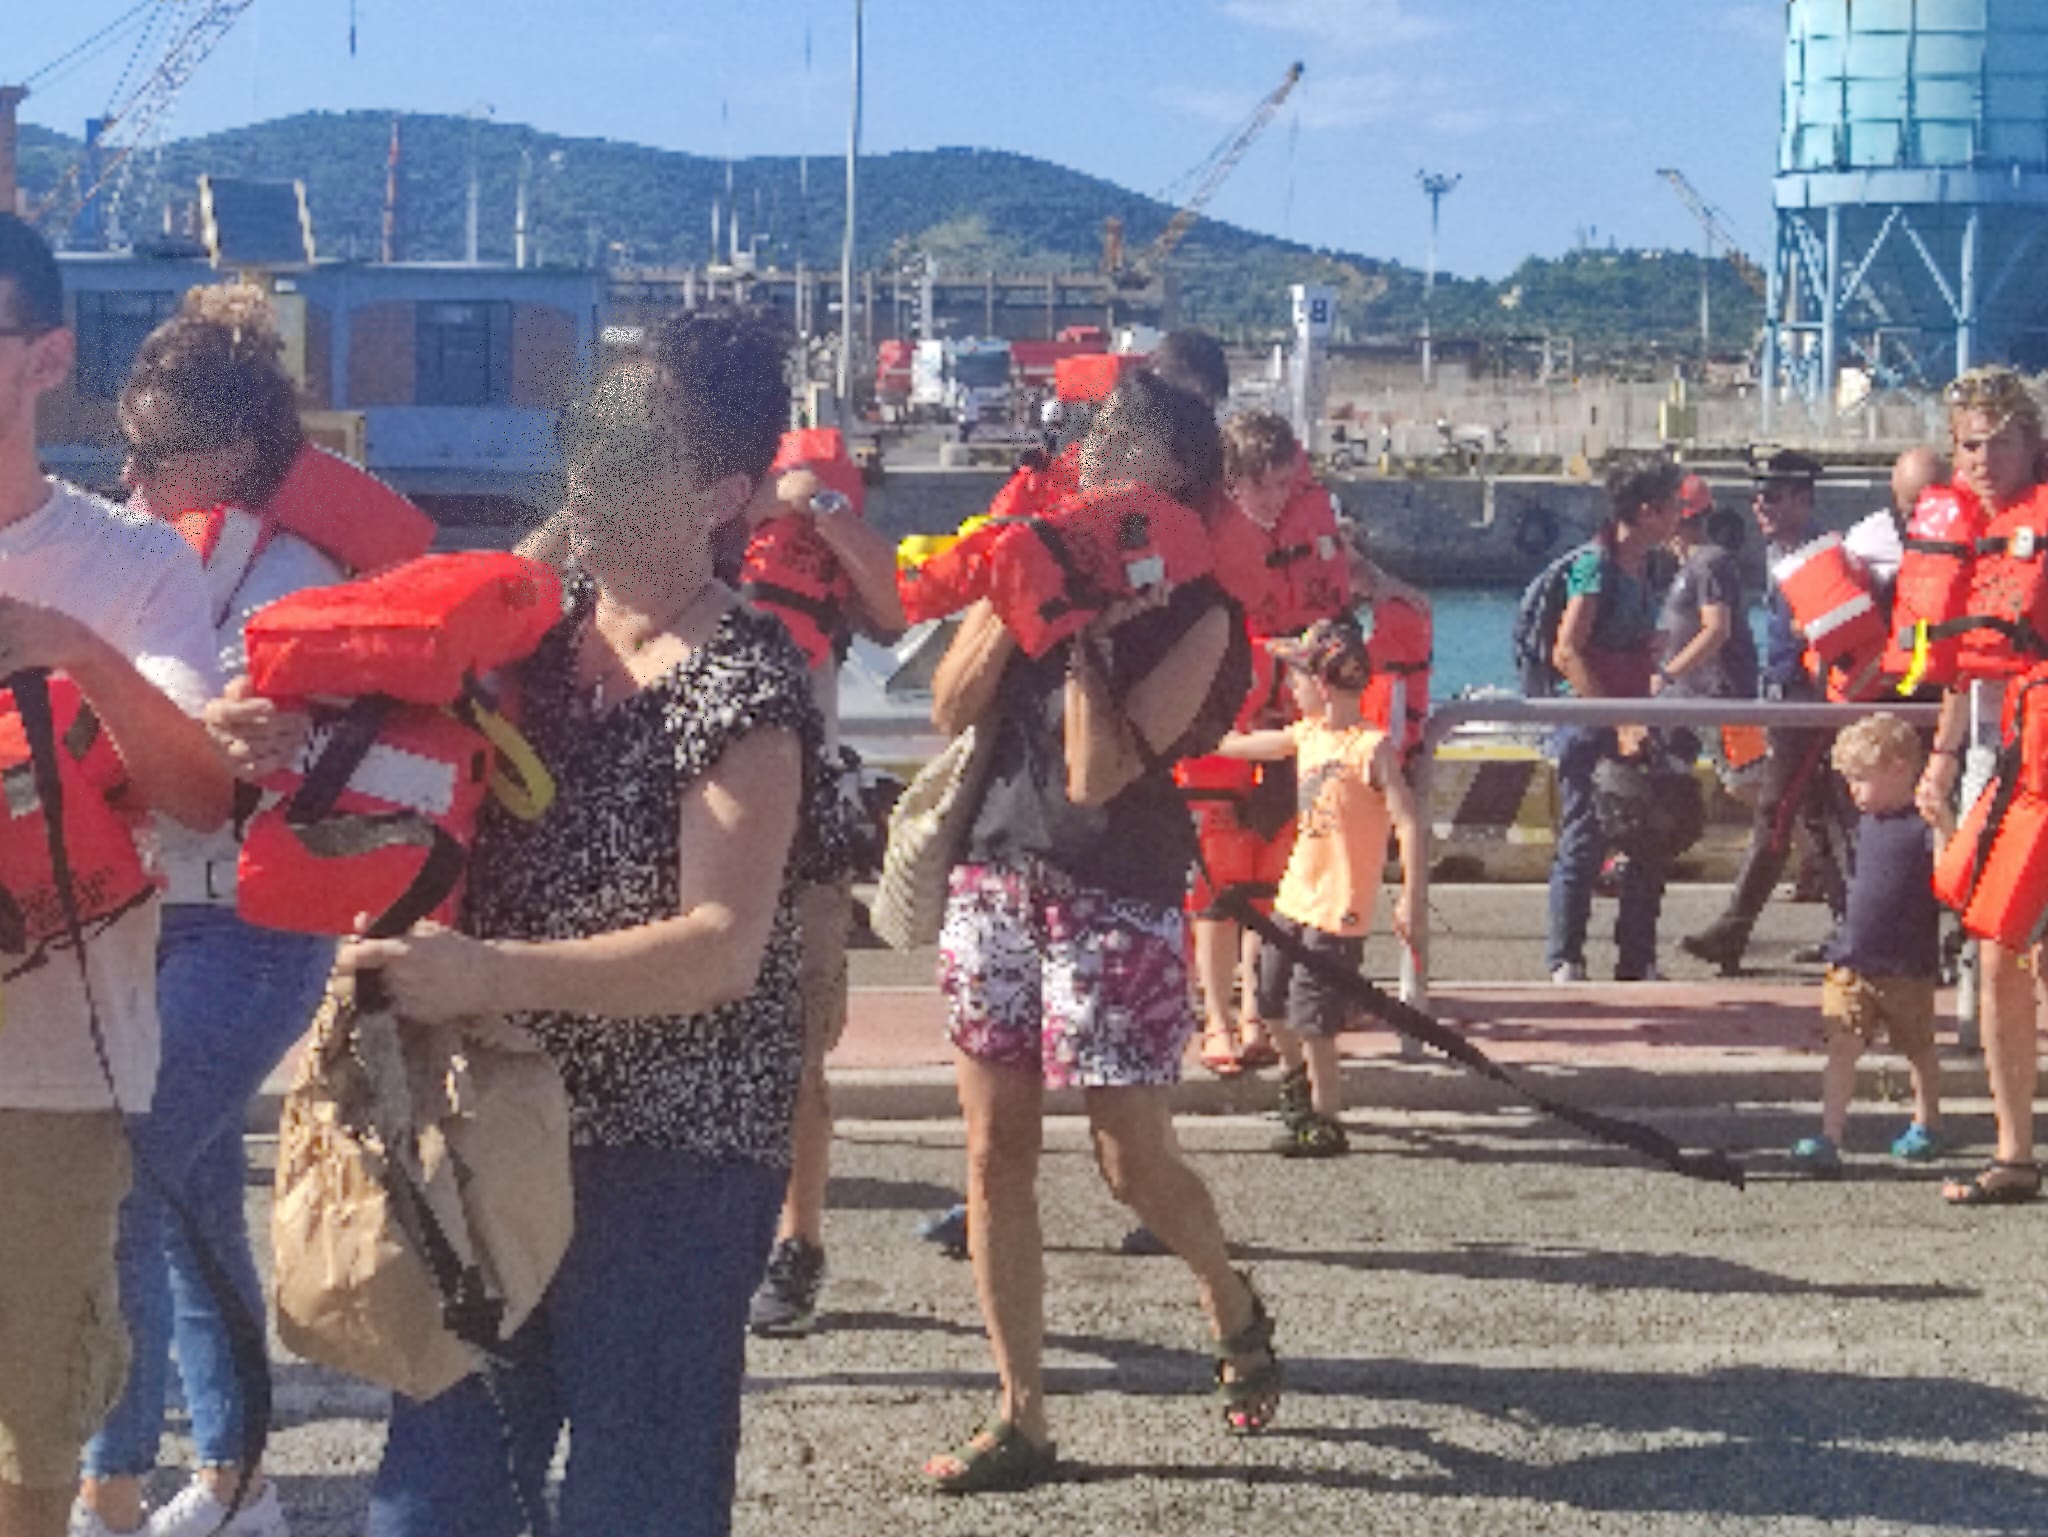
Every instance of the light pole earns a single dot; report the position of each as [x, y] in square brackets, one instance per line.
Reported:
[846, 248]
[1436, 186]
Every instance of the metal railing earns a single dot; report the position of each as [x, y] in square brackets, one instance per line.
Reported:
[1459, 713]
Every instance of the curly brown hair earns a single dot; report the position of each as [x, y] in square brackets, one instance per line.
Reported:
[212, 376]
[1256, 443]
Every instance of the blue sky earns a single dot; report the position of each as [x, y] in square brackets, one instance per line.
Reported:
[1557, 113]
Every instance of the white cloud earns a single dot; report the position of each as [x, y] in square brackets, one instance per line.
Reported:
[1344, 24]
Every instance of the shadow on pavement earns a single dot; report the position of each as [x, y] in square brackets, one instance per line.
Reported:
[1784, 1444]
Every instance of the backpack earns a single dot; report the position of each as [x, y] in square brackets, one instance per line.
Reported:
[1537, 617]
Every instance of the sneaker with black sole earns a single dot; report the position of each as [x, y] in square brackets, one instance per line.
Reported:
[1313, 1136]
[1294, 1095]
[786, 1306]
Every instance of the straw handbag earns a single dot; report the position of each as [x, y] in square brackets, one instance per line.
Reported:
[927, 831]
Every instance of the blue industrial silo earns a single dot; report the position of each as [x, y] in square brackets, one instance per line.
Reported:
[1912, 191]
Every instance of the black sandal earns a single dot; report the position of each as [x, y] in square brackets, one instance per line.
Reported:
[997, 1459]
[2002, 1182]
[1250, 1395]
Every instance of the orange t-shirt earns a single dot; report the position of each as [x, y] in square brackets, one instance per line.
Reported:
[1340, 850]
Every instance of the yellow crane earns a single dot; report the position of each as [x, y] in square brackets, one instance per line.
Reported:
[1143, 270]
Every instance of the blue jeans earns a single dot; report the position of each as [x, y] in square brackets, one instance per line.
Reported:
[1576, 866]
[639, 1349]
[232, 998]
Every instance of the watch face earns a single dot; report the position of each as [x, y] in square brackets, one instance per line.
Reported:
[830, 504]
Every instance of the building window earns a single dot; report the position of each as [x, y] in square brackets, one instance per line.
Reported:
[465, 354]
[110, 329]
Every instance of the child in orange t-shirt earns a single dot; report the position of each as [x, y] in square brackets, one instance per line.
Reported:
[1351, 793]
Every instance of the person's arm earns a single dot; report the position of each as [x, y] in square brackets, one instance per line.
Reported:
[1256, 746]
[1574, 640]
[964, 683]
[1945, 762]
[1401, 810]
[173, 766]
[869, 561]
[737, 822]
[1103, 760]
[1717, 624]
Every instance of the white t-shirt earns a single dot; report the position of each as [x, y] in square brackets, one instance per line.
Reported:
[1875, 540]
[138, 586]
[201, 866]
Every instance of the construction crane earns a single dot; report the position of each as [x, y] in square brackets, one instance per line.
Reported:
[133, 117]
[1713, 227]
[1143, 270]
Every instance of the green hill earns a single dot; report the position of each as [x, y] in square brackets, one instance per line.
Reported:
[596, 199]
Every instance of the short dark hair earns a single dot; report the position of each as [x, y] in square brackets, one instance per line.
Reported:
[1256, 443]
[1180, 423]
[1193, 361]
[29, 268]
[1638, 483]
[728, 387]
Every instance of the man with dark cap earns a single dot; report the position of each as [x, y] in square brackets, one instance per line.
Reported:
[1799, 787]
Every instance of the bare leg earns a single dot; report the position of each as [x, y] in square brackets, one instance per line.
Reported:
[1838, 1084]
[33, 1512]
[1004, 1107]
[2011, 1050]
[1142, 1164]
[1325, 1075]
[116, 1501]
[1252, 1031]
[1925, 1070]
[1288, 1044]
[810, 1165]
[1216, 945]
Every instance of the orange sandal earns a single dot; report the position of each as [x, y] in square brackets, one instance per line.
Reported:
[1220, 1054]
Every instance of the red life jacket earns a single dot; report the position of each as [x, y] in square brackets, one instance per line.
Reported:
[378, 815]
[1400, 649]
[107, 874]
[788, 569]
[418, 632]
[336, 506]
[1289, 576]
[1049, 576]
[2003, 628]
[376, 818]
[935, 585]
[1834, 606]
[1933, 585]
[1994, 872]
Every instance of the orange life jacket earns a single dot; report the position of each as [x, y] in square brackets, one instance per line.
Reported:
[2003, 628]
[1933, 585]
[419, 632]
[791, 572]
[1289, 576]
[377, 816]
[1049, 576]
[1833, 605]
[940, 576]
[1399, 649]
[1994, 872]
[376, 819]
[107, 874]
[336, 506]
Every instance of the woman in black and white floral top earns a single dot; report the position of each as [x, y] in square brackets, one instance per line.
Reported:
[643, 931]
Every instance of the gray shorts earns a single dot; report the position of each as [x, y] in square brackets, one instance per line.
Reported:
[1295, 996]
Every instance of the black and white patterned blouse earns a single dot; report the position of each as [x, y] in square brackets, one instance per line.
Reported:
[604, 857]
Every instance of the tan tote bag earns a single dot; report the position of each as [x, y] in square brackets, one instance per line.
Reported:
[927, 831]
[423, 1198]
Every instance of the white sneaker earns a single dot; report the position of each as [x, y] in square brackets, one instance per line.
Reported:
[194, 1512]
[86, 1522]
[1569, 971]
